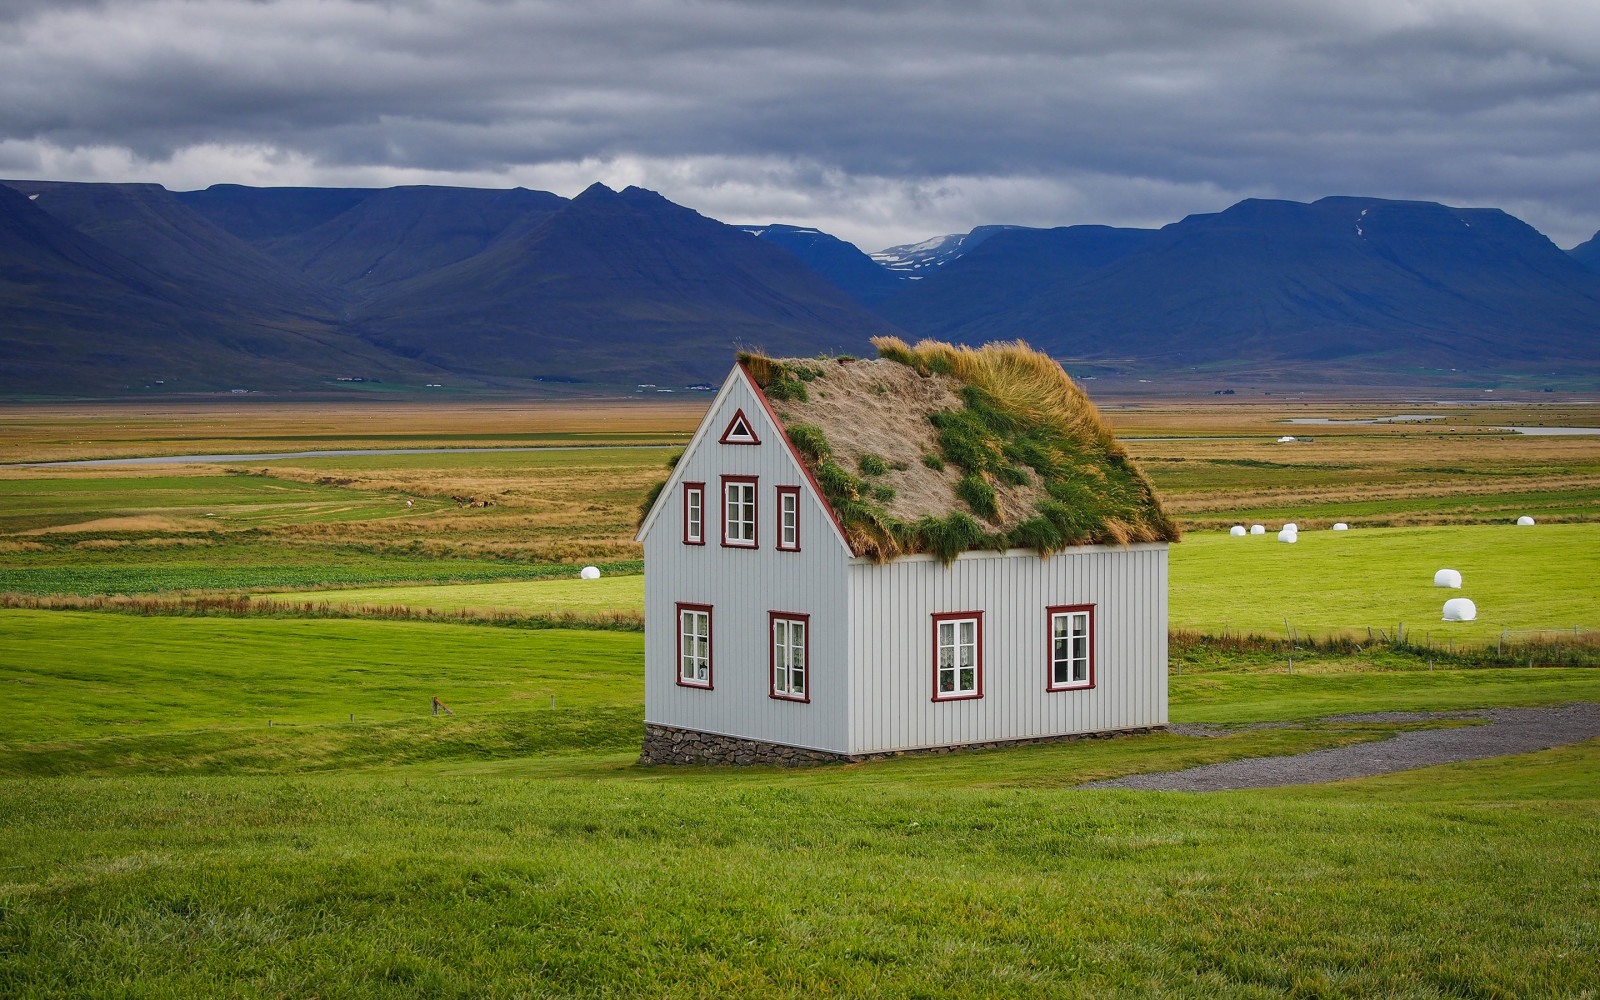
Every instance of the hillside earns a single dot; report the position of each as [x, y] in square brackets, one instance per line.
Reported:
[1588, 253]
[1007, 271]
[110, 286]
[617, 286]
[856, 274]
[1362, 284]
[143, 290]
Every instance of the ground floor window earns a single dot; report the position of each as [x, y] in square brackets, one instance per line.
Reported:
[791, 647]
[1071, 647]
[694, 645]
[958, 656]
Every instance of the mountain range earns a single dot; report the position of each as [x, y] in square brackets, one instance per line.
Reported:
[105, 287]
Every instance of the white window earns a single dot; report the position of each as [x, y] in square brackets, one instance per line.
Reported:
[958, 656]
[789, 518]
[790, 642]
[694, 645]
[694, 514]
[739, 512]
[1071, 647]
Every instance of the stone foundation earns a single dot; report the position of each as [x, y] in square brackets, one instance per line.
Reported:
[671, 745]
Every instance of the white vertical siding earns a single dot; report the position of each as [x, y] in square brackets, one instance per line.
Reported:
[742, 586]
[891, 642]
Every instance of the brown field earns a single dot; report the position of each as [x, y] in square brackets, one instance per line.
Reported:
[66, 431]
[1214, 462]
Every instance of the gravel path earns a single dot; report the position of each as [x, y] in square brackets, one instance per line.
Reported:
[1508, 731]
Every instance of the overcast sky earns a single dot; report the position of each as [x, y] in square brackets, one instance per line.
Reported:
[881, 122]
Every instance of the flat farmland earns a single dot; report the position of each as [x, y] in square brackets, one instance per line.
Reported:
[264, 804]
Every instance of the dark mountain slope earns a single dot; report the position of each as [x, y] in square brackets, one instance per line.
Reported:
[256, 215]
[399, 233]
[78, 316]
[617, 286]
[1005, 272]
[1393, 282]
[146, 223]
[1587, 254]
[863, 278]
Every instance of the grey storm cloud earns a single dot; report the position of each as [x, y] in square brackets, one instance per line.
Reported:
[893, 118]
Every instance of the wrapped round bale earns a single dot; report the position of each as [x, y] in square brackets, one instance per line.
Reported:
[1236, 530]
[1341, 526]
[1460, 609]
[590, 573]
[1288, 535]
[1291, 526]
[1447, 578]
[1524, 520]
[1258, 529]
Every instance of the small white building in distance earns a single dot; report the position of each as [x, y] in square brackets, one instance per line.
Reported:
[939, 548]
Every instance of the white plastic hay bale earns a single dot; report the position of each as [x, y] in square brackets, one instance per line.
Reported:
[590, 573]
[1286, 439]
[1236, 531]
[1524, 520]
[1286, 535]
[1447, 578]
[1341, 526]
[1258, 529]
[1291, 526]
[1460, 609]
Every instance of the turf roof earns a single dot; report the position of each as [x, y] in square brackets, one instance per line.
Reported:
[941, 449]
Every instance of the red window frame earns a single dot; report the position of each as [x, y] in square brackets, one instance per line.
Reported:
[1050, 646]
[773, 617]
[687, 489]
[755, 511]
[677, 664]
[957, 616]
[738, 416]
[788, 491]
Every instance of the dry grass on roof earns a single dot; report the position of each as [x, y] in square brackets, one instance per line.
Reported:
[907, 449]
[1029, 383]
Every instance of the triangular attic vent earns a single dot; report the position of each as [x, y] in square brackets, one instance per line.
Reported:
[739, 431]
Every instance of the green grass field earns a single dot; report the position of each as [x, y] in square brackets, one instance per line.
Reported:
[157, 839]
[1520, 578]
[622, 593]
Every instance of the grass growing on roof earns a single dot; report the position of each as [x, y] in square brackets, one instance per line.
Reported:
[1033, 457]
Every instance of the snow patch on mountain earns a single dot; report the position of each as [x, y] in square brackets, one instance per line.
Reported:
[917, 260]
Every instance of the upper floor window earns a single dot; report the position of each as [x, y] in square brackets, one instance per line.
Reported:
[694, 645]
[694, 513]
[789, 518]
[791, 644]
[958, 656]
[1071, 647]
[739, 511]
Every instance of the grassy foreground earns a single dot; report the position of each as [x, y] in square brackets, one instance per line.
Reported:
[532, 880]
[157, 840]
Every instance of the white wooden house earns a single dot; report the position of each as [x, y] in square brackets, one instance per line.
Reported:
[777, 630]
